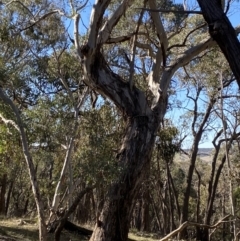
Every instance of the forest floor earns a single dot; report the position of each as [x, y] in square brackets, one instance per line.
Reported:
[27, 230]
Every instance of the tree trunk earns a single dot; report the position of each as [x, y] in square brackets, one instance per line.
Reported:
[31, 170]
[60, 223]
[142, 115]
[222, 31]
[2, 194]
[193, 158]
[133, 159]
[145, 222]
[8, 196]
[213, 183]
[67, 160]
[171, 199]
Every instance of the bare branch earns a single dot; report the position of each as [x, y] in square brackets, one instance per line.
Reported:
[112, 21]
[160, 10]
[185, 59]
[81, 7]
[124, 37]
[219, 133]
[43, 17]
[95, 21]
[119, 39]
[76, 34]
[11, 122]
[187, 224]
[185, 39]
[133, 50]
[148, 47]
[162, 36]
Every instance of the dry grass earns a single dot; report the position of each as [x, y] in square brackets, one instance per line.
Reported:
[27, 230]
[133, 236]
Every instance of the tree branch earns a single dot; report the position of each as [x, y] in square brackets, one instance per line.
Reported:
[133, 50]
[222, 31]
[11, 122]
[160, 10]
[162, 36]
[95, 21]
[41, 18]
[106, 30]
[187, 224]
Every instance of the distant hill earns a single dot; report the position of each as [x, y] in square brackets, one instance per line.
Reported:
[203, 153]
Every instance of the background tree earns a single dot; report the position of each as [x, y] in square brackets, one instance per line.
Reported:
[135, 68]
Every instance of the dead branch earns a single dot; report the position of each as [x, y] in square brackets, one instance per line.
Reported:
[188, 223]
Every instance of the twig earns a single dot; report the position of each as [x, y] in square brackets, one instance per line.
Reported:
[160, 10]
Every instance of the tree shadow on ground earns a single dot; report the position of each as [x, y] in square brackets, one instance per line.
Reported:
[21, 233]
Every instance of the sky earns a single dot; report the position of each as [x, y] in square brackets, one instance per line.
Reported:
[233, 14]
[234, 17]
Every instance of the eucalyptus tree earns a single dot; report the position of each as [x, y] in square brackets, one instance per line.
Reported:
[9, 138]
[200, 83]
[21, 50]
[155, 45]
[143, 115]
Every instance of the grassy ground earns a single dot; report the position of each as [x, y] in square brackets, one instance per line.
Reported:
[27, 230]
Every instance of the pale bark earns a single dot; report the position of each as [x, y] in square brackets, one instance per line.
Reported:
[161, 34]
[32, 174]
[67, 161]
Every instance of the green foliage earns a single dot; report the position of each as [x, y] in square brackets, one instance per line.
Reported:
[167, 143]
[100, 133]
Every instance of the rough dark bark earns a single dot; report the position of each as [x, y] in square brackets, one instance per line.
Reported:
[2, 194]
[122, 193]
[172, 225]
[145, 222]
[64, 219]
[8, 196]
[222, 31]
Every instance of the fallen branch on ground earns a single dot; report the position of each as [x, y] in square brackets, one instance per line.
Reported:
[188, 223]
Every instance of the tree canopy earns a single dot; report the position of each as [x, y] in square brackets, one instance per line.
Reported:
[89, 104]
